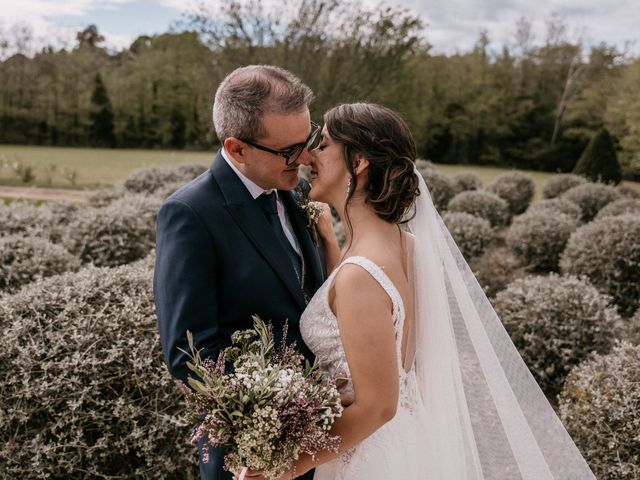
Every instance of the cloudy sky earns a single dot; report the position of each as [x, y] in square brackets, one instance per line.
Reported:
[451, 24]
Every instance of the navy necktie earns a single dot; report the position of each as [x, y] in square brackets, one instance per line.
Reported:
[267, 202]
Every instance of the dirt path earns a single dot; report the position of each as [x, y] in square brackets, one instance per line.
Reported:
[36, 193]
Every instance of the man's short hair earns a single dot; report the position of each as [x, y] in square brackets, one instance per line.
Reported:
[248, 93]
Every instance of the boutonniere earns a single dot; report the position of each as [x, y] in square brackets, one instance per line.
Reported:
[311, 210]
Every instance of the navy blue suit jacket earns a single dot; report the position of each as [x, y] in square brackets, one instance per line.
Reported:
[218, 263]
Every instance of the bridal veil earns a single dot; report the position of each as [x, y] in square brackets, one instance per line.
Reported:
[486, 416]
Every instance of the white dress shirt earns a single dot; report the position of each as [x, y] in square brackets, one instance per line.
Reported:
[256, 191]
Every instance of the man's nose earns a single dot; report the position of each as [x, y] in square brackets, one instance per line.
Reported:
[304, 158]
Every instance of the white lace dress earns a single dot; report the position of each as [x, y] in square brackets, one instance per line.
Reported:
[396, 449]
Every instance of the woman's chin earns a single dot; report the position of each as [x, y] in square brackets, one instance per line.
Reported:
[316, 195]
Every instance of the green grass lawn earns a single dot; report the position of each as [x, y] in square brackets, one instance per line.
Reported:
[95, 167]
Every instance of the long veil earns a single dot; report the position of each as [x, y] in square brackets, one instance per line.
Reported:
[486, 416]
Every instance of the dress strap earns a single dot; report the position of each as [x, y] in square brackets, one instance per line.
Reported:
[385, 282]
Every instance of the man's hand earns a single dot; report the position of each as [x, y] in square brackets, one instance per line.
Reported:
[249, 475]
[259, 475]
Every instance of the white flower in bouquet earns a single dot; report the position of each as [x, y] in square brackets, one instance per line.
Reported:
[272, 407]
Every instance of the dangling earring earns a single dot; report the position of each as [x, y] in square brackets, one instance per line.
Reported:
[349, 187]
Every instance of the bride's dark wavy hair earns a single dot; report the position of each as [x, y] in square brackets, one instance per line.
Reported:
[384, 139]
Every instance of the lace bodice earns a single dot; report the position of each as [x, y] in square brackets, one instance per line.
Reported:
[319, 326]
[321, 333]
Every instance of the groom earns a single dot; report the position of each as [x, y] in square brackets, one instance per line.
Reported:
[234, 242]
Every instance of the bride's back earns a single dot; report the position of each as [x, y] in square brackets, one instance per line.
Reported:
[394, 254]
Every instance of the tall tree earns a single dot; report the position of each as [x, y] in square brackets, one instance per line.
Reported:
[599, 161]
[89, 37]
[101, 116]
[623, 116]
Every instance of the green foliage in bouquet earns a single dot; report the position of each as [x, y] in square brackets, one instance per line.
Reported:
[272, 407]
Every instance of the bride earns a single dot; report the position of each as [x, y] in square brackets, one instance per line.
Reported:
[439, 391]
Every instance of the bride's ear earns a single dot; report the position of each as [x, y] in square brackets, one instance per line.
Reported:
[360, 164]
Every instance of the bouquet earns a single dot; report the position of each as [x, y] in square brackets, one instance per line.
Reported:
[272, 407]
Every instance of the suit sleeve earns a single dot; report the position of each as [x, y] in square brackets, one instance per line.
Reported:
[185, 286]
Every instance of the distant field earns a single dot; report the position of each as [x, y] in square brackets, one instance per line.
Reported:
[95, 167]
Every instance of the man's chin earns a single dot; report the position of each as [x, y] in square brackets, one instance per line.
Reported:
[291, 179]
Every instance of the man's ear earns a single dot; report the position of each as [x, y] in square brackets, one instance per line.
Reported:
[236, 149]
[361, 164]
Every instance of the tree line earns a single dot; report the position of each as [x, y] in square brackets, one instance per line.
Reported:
[531, 105]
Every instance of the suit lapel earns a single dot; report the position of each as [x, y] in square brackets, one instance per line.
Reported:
[299, 222]
[251, 220]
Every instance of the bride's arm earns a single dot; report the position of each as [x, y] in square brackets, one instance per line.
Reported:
[363, 310]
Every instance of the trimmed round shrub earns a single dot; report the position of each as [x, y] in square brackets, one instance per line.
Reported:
[46, 221]
[539, 238]
[104, 196]
[628, 329]
[471, 234]
[167, 190]
[607, 251]
[23, 218]
[632, 330]
[121, 232]
[515, 188]
[620, 207]
[441, 188]
[423, 165]
[555, 322]
[191, 171]
[558, 184]
[496, 268]
[85, 392]
[482, 204]
[150, 179]
[628, 191]
[600, 407]
[553, 206]
[25, 259]
[466, 181]
[591, 198]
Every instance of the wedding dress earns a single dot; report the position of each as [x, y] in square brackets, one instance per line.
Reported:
[469, 409]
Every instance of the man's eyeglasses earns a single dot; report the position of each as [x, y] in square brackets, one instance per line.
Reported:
[292, 153]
